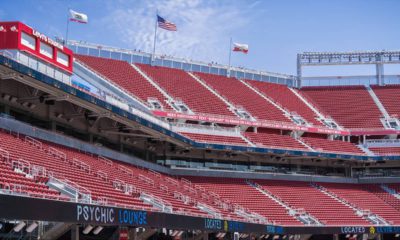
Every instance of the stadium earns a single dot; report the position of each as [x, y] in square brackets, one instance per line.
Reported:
[99, 142]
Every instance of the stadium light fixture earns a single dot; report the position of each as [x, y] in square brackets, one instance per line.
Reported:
[87, 229]
[97, 230]
[32, 227]
[276, 237]
[19, 226]
[397, 235]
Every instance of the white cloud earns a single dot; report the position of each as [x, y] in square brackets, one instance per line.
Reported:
[204, 27]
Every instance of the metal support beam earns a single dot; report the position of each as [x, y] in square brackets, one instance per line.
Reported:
[380, 74]
[299, 72]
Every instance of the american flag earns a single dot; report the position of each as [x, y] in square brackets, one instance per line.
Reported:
[164, 24]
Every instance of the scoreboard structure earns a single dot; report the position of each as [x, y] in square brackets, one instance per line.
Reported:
[19, 36]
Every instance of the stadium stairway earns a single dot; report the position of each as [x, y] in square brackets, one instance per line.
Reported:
[183, 87]
[367, 203]
[266, 97]
[301, 215]
[237, 191]
[377, 102]
[303, 196]
[212, 90]
[243, 98]
[166, 95]
[125, 76]
[286, 99]
[350, 106]
[389, 96]
[318, 115]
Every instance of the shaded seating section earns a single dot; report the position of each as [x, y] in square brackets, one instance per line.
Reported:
[238, 191]
[16, 181]
[125, 76]
[272, 139]
[384, 151]
[218, 139]
[283, 96]
[106, 180]
[65, 169]
[180, 85]
[301, 195]
[350, 106]
[389, 96]
[242, 96]
[365, 200]
[336, 146]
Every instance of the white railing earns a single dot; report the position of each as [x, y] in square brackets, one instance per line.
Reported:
[382, 142]
[190, 189]
[5, 155]
[146, 179]
[163, 187]
[171, 181]
[125, 170]
[39, 171]
[154, 173]
[78, 163]
[34, 142]
[22, 166]
[98, 47]
[105, 160]
[102, 175]
[84, 194]
[184, 198]
[158, 203]
[57, 153]
[185, 181]
[208, 209]
[124, 187]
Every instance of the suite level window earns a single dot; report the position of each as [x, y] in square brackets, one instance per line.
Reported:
[28, 41]
[46, 50]
[63, 58]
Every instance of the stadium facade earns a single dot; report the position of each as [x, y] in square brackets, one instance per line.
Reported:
[104, 143]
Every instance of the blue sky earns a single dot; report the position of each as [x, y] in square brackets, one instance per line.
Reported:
[276, 30]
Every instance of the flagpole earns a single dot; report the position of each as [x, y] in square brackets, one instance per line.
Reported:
[66, 34]
[230, 54]
[153, 57]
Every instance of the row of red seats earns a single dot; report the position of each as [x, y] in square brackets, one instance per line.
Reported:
[385, 151]
[124, 75]
[350, 106]
[242, 96]
[365, 200]
[336, 146]
[301, 195]
[283, 96]
[181, 85]
[389, 95]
